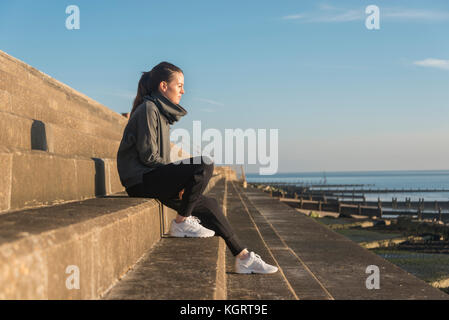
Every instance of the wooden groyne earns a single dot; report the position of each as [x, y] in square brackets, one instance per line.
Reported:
[378, 210]
[356, 204]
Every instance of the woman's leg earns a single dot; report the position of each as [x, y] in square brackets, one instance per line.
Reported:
[167, 181]
[209, 212]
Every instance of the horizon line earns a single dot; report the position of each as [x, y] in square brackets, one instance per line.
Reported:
[353, 171]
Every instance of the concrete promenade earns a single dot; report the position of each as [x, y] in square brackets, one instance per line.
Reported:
[333, 265]
[315, 262]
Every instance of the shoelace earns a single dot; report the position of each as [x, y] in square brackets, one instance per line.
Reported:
[257, 257]
[193, 220]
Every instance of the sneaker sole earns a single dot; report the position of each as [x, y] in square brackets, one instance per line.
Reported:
[184, 235]
[253, 272]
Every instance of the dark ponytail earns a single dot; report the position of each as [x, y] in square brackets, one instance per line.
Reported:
[149, 81]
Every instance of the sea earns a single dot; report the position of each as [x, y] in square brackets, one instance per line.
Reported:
[423, 179]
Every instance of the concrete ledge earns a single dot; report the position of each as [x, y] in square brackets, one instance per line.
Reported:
[5, 181]
[29, 102]
[24, 85]
[176, 268]
[29, 134]
[37, 178]
[103, 237]
[179, 268]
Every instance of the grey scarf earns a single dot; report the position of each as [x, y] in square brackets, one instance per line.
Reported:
[172, 112]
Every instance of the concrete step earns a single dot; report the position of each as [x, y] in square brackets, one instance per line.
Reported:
[36, 178]
[27, 92]
[322, 264]
[178, 268]
[102, 237]
[29, 134]
[254, 286]
[175, 269]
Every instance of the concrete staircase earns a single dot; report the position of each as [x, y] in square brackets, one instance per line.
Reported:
[56, 145]
[177, 268]
[63, 212]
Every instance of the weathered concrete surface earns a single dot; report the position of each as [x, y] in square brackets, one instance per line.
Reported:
[15, 131]
[175, 269]
[178, 268]
[301, 283]
[56, 144]
[5, 180]
[112, 180]
[60, 104]
[337, 264]
[103, 237]
[41, 179]
[35, 178]
[72, 142]
[254, 286]
[5, 101]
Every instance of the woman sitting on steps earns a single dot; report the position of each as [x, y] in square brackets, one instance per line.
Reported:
[145, 169]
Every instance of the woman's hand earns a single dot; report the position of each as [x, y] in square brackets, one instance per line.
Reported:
[181, 193]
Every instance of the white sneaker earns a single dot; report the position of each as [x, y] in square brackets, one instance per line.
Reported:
[253, 264]
[191, 228]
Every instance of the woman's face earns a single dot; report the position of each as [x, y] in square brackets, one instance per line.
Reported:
[174, 89]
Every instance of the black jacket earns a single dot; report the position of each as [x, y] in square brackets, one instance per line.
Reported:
[146, 140]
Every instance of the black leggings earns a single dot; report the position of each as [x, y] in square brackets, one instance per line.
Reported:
[165, 182]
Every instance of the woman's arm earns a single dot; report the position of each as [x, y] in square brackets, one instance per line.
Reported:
[147, 139]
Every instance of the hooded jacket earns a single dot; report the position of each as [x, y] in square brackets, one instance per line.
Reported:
[145, 143]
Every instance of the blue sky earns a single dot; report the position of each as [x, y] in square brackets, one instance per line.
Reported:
[343, 97]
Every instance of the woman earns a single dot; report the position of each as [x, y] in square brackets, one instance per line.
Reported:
[145, 169]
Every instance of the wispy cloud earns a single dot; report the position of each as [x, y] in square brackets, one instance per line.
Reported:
[294, 17]
[210, 102]
[208, 110]
[327, 14]
[414, 14]
[346, 16]
[325, 6]
[433, 63]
